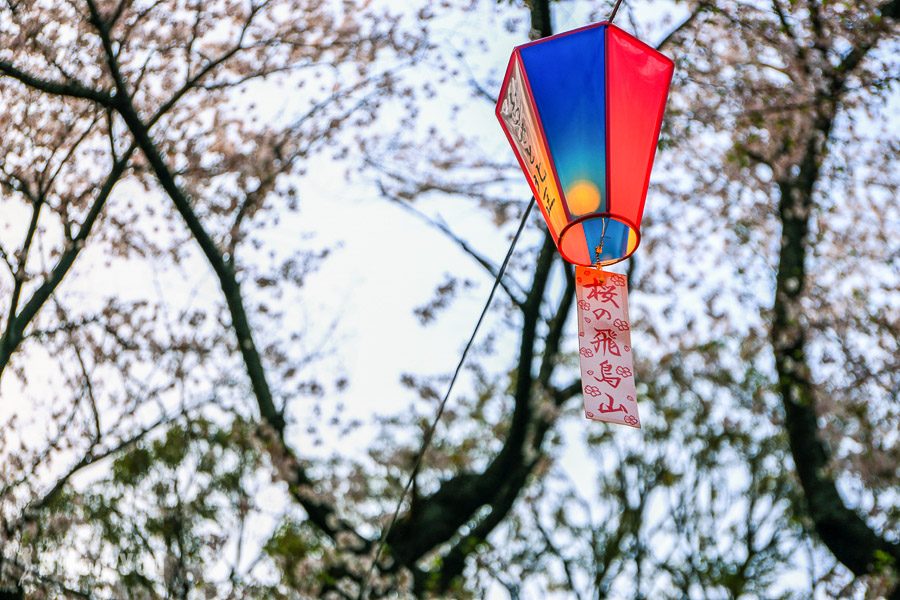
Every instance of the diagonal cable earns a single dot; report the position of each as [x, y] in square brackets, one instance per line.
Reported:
[429, 433]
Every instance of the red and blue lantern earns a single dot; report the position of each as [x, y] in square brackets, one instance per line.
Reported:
[582, 111]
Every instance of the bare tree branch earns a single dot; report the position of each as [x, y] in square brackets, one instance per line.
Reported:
[56, 88]
[320, 512]
[15, 326]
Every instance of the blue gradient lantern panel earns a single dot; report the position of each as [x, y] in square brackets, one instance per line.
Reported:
[591, 103]
[567, 77]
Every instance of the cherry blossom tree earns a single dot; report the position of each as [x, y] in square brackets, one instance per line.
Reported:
[133, 138]
[764, 290]
[130, 137]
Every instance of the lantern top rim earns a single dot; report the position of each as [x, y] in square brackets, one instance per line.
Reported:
[517, 51]
[563, 34]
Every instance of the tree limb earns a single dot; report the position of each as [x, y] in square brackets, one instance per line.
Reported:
[300, 484]
[69, 89]
[15, 327]
[477, 256]
[441, 514]
[843, 531]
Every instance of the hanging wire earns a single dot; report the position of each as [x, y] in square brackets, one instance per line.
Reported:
[429, 433]
[612, 15]
[599, 249]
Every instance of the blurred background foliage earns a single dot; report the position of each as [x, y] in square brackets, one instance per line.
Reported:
[177, 417]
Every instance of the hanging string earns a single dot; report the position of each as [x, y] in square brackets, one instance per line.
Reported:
[612, 15]
[598, 251]
[429, 433]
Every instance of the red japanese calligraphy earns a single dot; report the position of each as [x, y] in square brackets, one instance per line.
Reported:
[601, 313]
[603, 293]
[604, 341]
[606, 375]
[610, 406]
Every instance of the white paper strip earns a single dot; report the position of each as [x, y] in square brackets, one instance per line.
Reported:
[604, 340]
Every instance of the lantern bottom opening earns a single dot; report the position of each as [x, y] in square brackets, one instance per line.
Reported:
[614, 236]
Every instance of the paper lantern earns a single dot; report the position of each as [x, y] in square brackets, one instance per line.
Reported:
[582, 111]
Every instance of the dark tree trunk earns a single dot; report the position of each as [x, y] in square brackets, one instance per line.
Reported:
[842, 530]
